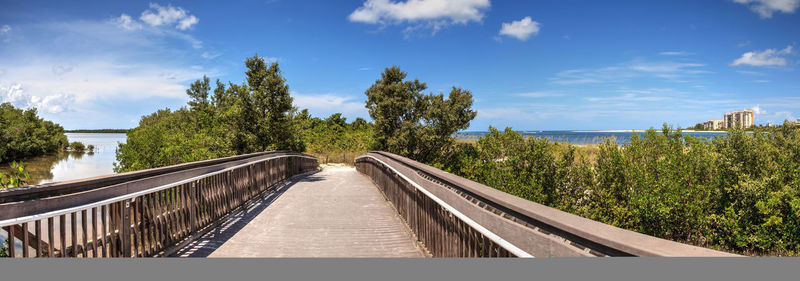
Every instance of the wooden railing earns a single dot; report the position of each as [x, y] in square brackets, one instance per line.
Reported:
[139, 214]
[455, 217]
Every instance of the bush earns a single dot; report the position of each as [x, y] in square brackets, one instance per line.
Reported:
[90, 147]
[77, 146]
[23, 134]
[738, 192]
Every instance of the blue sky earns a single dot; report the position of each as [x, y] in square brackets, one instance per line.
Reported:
[531, 65]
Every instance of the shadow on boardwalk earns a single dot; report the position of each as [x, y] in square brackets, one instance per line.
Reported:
[211, 241]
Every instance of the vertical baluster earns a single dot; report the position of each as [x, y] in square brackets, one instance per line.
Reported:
[103, 228]
[73, 218]
[94, 232]
[126, 242]
[113, 226]
[25, 241]
[38, 230]
[138, 244]
[50, 237]
[84, 225]
[12, 247]
[62, 221]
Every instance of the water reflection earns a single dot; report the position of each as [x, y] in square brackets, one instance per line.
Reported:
[64, 166]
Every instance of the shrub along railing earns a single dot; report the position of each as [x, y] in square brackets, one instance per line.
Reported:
[140, 214]
[455, 217]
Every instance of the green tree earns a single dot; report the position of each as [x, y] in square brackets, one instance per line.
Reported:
[413, 124]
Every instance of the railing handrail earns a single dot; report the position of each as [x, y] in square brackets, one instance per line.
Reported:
[488, 233]
[602, 234]
[62, 211]
[80, 185]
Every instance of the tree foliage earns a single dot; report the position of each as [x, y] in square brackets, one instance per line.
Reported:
[234, 119]
[23, 134]
[738, 192]
[411, 123]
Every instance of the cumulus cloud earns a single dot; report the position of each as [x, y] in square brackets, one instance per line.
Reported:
[765, 8]
[159, 15]
[521, 29]
[125, 21]
[428, 13]
[768, 57]
[16, 95]
[5, 29]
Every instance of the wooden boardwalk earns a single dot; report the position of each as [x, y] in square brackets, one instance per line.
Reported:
[334, 213]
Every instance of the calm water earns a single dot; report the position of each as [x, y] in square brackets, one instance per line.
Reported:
[64, 166]
[582, 137]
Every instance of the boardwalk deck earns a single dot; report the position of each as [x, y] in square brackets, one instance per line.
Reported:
[334, 213]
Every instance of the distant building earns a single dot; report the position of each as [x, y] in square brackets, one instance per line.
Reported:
[741, 118]
[712, 124]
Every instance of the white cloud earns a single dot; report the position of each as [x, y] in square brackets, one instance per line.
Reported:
[93, 79]
[159, 15]
[750, 72]
[61, 69]
[125, 21]
[768, 57]
[540, 94]
[208, 56]
[433, 14]
[326, 104]
[5, 29]
[669, 70]
[765, 8]
[55, 103]
[674, 53]
[521, 29]
[757, 110]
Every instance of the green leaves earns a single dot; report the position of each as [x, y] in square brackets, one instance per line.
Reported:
[23, 134]
[236, 119]
[413, 124]
[17, 176]
[738, 192]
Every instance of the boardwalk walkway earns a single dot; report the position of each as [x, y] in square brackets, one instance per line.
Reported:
[334, 213]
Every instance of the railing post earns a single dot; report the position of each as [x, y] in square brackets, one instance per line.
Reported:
[193, 207]
[126, 229]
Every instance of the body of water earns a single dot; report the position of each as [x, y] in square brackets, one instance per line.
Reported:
[583, 137]
[63, 166]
